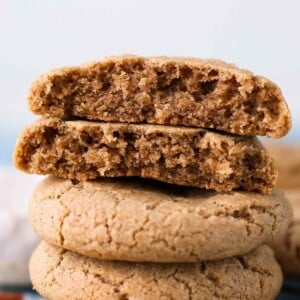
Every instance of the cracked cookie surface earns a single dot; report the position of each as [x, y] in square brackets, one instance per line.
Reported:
[141, 220]
[287, 249]
[161, 90]
[60, 274]
[186, 156]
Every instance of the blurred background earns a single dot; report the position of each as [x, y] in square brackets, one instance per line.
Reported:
[38, 35]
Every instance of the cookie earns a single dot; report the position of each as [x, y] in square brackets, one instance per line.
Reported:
[164, 90]
[287, 249]
[85, 150]
[60, 274]
[287, 160]
[142, 220]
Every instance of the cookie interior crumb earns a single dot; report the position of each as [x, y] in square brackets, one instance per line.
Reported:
[170, 91]
[186, 156]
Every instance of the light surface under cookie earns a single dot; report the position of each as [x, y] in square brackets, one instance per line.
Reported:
[59, 274]
[162, 90]
[186, 156]
[141, 220]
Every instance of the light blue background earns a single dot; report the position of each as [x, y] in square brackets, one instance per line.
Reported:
[36, 36]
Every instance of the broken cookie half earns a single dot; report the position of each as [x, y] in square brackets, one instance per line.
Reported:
[196, 157]
[164, 90]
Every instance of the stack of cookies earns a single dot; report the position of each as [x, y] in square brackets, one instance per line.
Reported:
[158, 187]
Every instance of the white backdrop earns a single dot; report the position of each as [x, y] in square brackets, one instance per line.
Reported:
[38, 35]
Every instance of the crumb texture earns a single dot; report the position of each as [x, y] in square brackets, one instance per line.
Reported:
[169, 223]
[85, 150]
[59, 274]
[170, 91]
[287, 249]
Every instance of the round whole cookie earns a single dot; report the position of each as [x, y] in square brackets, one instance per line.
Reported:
[287, 249]
[60, 274]
[142, 220]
